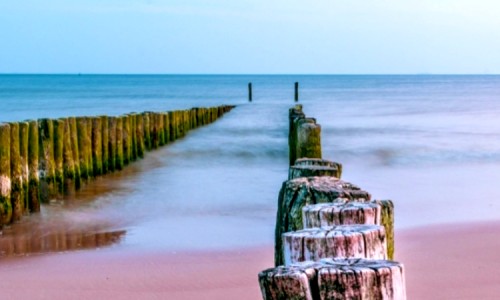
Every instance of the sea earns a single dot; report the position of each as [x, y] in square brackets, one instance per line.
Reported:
[430, 143]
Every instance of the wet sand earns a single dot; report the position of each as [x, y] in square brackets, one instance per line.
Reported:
[459, 261]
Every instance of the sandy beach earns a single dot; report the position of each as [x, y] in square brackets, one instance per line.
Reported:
[456, 261]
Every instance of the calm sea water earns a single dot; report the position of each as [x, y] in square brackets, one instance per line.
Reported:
[430, 143]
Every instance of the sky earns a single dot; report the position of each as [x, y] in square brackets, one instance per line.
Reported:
[250, 36]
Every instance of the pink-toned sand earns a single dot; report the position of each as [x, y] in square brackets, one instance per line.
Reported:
[443, 262]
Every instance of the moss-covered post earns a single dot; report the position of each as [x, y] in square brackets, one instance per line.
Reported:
[171, 123]
[308, 138]
[139, 133]
[161, 130]
[112, 143]
[33, 162]
[97, 146]
[166, 127]
[119, 144]
[154, 130]
[147, 130]
[88, 148]
[133, 136]
[23, 152]
[296, 91]
[68, 160]
[59, 154]
[81, 124]
[127, 139]
[16, 176]
[5, 179]
[75, 151]
[46, 162]
[105, 144]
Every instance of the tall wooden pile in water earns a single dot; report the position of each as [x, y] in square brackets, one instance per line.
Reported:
[332, 241]
[43, 159]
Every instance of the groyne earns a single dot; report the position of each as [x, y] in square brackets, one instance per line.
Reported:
[332, 241]
[42, 160]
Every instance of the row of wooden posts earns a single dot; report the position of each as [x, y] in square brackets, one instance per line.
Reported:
[332, 240]
[250, 92]
[44, 159]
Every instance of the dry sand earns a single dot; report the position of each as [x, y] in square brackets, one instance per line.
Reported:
[443, 262]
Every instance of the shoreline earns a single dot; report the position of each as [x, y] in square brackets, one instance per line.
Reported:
[453, 261]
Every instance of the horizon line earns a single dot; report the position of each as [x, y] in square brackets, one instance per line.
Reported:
[254, 74]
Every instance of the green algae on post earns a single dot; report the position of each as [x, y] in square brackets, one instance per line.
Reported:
[23, 152]
[68, 160]
[105, 144]
[96, 146]
[127, 140]
[81, 125]
[58, 154]
[111, 144]
[5, 179]
[88, 148]
[46, 163]
[119, 144]
[133, 135]
[140, 135]
[147, 130]
[33, 161]
[75, 150]
[16, 176]
[166, 127]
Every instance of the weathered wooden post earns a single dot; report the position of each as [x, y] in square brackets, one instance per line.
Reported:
[68, 160]
[97, 165]
[59, 154]
[83, 148]
[5, 176]
[133, 135]
[75, 151]
[127, 140]
[147, 130]
[341, 213]
[299, 192]
[46, 163]
[166, 125]
[33, 162]
[296, 91]
[105, 144]
[294, 114]
[23, 152]
[112, 143]
[249, 92]
[161, 130]
[307, 167]
[119, 144]
[341, 241]
[335, 279]
[140, 135]
[308, 138]
[88, 148]
[16, 176]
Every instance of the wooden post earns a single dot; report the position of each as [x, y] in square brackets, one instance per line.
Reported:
[387, 220]
[294, 114]
[140, 135]
[299, 192]
[16, 176]
[105, 144]
[119, 144]
[46, 163]
[166, 125]
[33, 161]
[5, 176]
[59, 154]
[332, 214]
[97, 165]
[23, 152]
[147, 130]
[68, 160]
[112, 143]
[347, 241]
[307, 167]
[81, 123]
[249, 92]
[75, 151]
[308, 139]
[296, 91]
[335, 279]
[88, 147]
[127, 139]
[133, 135]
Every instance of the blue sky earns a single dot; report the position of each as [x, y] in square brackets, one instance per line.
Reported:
[248, 37]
